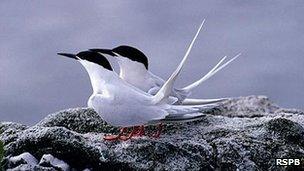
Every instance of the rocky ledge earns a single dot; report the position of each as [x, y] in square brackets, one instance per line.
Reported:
[246, 133]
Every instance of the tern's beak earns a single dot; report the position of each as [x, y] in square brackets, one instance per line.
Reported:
[68, 55]
[104, 51]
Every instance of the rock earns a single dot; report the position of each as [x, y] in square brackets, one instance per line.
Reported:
[250, 106]
[26, 167]
[21, 167]
[246, 133]
[26, 161]
[81, 120]
[8, 131]
[57, 141]
[288, 131]
[50, 161]
[11, 126]
[24, 158]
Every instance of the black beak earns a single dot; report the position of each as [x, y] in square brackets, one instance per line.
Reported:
[68, 55]
[104, 51]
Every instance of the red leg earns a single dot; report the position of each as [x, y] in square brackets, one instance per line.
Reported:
[115, 137]
[140, 131]
[159, 130]
[125, 138]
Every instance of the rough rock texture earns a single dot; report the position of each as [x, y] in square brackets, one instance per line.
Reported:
[26, 161]
[246, 133]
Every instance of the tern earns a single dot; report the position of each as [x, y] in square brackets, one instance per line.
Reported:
[122, 104]
[134, 66]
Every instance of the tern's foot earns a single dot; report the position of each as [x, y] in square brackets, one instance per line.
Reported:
[125, 138]
[140, 131]
[111, 137]
[136, 131]
[115, 137]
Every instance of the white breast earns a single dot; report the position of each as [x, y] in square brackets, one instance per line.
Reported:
[125, 108]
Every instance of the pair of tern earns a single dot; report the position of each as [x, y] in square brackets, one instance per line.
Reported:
[136, 97]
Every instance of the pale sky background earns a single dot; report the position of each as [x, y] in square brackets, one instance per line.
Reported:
[34, 81]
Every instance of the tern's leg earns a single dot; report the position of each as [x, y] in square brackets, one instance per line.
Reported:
[140, 131]
[133, 132]
[115, 137]
[159, 130]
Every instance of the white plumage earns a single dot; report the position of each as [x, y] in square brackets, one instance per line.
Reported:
[136, 74]
[137, 97]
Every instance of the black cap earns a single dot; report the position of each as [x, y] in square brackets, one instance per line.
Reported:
[126, 51]
[91, 57]
[132, 53]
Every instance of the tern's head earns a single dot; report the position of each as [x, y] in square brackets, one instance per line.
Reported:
[127, 52]
[90, 58]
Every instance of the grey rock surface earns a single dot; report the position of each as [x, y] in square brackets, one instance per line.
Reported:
[246, 133]
[49, 160]
[24, 158]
